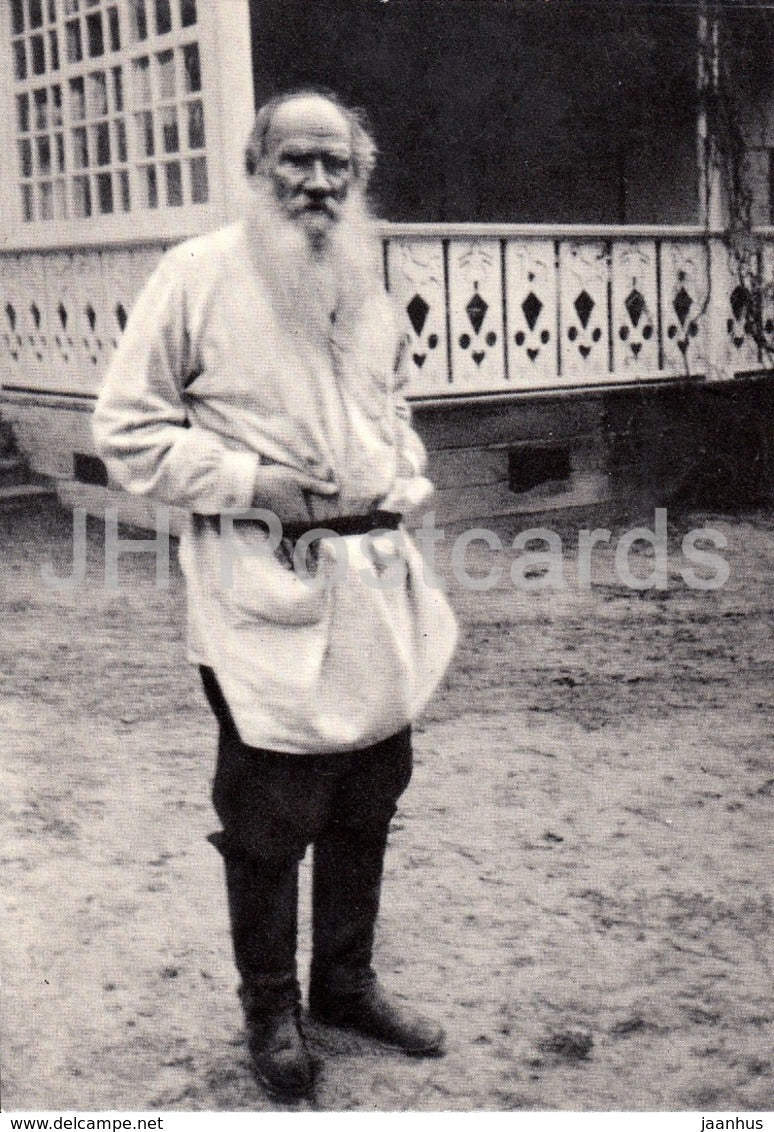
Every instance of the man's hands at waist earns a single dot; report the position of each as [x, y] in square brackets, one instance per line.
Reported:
[285, 491]
[289, 493]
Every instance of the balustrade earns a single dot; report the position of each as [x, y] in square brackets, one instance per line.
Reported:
[489, 310]
[518, 309]
[62, 314]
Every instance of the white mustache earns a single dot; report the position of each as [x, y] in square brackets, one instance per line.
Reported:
[327, 204]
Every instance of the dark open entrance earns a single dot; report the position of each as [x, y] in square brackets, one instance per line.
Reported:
[505, 110]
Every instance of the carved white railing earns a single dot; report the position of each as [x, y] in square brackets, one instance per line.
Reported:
[490, 309]
[508, 309]
[62, 314]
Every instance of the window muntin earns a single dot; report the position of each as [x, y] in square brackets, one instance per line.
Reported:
[109, 113]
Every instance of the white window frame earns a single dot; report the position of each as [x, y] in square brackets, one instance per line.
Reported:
[222, 32]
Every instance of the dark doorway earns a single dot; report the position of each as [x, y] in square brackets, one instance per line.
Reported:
[504, 110]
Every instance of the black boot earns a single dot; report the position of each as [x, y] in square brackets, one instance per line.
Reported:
[344, 990]
[379, 1016]
[263, 907]
[281, 1061]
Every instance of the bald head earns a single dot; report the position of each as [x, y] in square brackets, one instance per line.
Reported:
[310, 117]
[322, 106]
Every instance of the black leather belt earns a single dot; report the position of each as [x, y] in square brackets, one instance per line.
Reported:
[345, 525]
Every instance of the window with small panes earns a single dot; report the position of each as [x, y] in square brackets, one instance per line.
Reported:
[108, 107]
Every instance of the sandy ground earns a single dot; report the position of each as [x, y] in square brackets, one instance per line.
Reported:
[580, 876]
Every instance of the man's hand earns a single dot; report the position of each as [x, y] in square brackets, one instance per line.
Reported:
[283, 491]
[408, 494]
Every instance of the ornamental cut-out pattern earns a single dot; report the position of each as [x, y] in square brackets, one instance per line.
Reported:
[417, 283]
[532, 312]
[733, 345]
[25, 339]
[584, 273]
[80, 337]
[476, 313]
[685, 268]
[635, 310]
[62, 314]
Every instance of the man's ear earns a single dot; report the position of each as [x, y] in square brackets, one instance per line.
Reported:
[255, 175]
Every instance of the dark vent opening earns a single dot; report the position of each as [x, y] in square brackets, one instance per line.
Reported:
[530, 466]
[89, 469]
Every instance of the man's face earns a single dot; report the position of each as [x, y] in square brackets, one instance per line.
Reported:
[309, 162]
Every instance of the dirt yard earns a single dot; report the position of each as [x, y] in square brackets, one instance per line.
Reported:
[579, 882]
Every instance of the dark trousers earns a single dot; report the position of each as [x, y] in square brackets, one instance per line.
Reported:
[272, 806]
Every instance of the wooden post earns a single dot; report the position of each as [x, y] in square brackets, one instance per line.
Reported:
[711, 210]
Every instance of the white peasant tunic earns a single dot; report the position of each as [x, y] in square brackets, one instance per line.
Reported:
[214, 377]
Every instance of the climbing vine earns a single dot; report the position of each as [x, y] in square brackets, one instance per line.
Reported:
[736, 102]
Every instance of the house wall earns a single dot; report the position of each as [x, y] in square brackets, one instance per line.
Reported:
[617, 454]
[609, 455]
[532, 112]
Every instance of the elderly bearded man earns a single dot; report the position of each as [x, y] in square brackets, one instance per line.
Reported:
[261, 369]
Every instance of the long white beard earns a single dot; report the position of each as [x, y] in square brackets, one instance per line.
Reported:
[309, 285]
